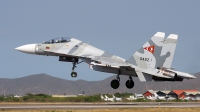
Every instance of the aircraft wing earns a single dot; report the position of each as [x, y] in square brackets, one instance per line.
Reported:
[105, 61]
[143, 74]
[114, 62]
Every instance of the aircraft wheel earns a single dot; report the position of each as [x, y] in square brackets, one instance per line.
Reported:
[129, 84]
[114, 84]
[74, 74]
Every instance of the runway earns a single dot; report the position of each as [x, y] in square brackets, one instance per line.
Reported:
[100, 106]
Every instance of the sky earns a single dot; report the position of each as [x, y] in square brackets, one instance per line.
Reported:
[119, 27]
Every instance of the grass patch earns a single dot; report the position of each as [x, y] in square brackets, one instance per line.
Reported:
[110, 110]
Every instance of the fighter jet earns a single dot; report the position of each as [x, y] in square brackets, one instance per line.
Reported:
[152, 62]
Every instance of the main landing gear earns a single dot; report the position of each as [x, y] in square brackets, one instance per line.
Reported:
[116, 82]
[74, 74]
[130, 83]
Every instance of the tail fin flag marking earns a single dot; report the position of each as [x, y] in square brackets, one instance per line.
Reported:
[150, 49]
[157, 52]
[146, 56]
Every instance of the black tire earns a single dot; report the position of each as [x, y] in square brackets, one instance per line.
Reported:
[129, 84]
[74, 74]
[114, 84]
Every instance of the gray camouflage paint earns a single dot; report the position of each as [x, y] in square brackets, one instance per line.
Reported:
[159, 43]
[162, 57]
[79, 48]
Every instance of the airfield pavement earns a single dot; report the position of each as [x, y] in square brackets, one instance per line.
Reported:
[99, 105]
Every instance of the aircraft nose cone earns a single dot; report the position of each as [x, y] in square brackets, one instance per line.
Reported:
[29, 48]
[193, 77]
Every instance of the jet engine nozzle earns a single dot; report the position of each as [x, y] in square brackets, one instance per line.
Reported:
[167, 72]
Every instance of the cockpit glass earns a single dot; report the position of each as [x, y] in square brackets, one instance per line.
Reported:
[58, 40]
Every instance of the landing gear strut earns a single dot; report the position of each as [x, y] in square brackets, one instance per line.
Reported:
[116, 82]
[130, 83]
[74, 74]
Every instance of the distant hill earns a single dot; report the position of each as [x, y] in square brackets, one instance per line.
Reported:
[43, 83]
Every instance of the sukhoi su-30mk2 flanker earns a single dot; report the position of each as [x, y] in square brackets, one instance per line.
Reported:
[151, 62]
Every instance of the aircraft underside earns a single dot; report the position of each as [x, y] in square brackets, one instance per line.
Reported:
[152, 62]
[115, 83]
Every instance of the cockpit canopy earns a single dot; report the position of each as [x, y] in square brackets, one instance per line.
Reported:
[58, 40]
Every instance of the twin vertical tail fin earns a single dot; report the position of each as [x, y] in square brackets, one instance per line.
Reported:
[168, 50]
[157, 52]
[146, 56]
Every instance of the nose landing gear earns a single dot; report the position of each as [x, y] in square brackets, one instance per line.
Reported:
[74, 74]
